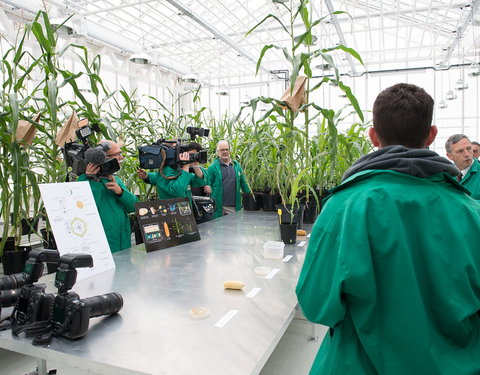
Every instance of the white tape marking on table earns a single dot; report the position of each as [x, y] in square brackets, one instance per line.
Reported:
[226, 318]
[287, 258]
[302, 243]
[253, 292]
[272, 273]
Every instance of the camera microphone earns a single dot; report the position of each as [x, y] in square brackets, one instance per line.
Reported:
[95, 156]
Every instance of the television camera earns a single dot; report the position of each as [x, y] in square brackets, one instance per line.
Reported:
[78, 154]
[166, 153]
[70, 315]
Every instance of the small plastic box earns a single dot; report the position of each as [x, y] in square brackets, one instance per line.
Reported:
[273, 249]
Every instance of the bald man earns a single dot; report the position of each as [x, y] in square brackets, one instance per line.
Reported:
[114, 201]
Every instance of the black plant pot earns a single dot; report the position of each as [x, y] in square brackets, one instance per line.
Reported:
[136, 229]
[287, 214]
[310, 214]
[49, 243]
[288, 233]
[269, 202]
[14, 261]
[250, 204]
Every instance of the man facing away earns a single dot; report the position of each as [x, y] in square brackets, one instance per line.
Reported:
[460, 151]
[114, 201]
[393, 265]
[226, 179]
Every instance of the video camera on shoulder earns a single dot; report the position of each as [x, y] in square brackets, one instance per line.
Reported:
[70, 314]
[166, 153]
[78, 154]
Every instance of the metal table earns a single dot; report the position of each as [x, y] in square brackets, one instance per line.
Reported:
[153, 333]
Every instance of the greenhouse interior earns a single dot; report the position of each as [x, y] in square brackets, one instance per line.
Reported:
[164, 147]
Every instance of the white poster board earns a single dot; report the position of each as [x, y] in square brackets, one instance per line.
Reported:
[76, 224]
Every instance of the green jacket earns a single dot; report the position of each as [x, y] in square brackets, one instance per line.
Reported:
[472, 179]
[113, 211]
[214, 174]
[393, 267]
[178, 187]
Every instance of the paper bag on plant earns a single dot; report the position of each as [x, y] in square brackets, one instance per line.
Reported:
[67, 132]
[26, 130]
[297, 99]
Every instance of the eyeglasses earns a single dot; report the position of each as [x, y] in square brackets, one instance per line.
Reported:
[224, 149]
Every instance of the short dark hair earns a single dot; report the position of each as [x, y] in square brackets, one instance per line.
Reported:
[475, 143]
[193, 146]
[402, 115]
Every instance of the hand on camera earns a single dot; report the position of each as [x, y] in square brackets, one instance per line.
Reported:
[112, 185]
[142, 174]
[207, 189]
[92, 169]
[185, 156]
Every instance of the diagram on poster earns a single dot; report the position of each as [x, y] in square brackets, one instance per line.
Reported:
[76, 224]
[166, 223]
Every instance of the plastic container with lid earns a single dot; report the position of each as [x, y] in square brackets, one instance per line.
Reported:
[273, 249]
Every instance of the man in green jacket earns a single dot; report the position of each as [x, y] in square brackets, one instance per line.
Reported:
[177, 183]
[226, 179]
[393, 265]
[460, 151]
[114, 202]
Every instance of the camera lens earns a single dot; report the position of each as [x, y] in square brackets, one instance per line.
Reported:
[105, 304]
[12, 281]
[9, 297]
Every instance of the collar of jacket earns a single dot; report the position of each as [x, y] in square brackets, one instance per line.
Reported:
[420, 163]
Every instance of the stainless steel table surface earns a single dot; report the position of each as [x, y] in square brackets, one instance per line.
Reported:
[153, 333]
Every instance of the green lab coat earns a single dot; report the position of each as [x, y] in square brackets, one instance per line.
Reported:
[472, 179]
[113, 210]
[214, 174]
[393, 266]
[178, 187]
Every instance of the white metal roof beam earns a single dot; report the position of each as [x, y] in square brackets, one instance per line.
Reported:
[329, 5]
[218, 34]
[459, 34]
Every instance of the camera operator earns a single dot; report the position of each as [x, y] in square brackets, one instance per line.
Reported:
[191, 175]
[114, 201]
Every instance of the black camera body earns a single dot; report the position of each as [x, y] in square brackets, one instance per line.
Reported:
[70, 315]
[77, 155]
[33, 304]
[167, 152]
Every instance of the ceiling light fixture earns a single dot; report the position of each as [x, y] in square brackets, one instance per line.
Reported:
[190, 78]
[140, 58]
[461, 85]
[450, 95]
[442, 104]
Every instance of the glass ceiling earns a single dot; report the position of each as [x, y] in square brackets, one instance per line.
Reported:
[208, 37]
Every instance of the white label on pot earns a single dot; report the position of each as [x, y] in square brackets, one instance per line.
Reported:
[302, 244]
[253, 292]
[287, 258]
[272, 273]
[226, 318]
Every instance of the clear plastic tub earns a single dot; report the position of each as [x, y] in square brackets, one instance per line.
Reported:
[273, 249]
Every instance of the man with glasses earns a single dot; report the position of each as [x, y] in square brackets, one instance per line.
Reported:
[114, 201]
[226, 179]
